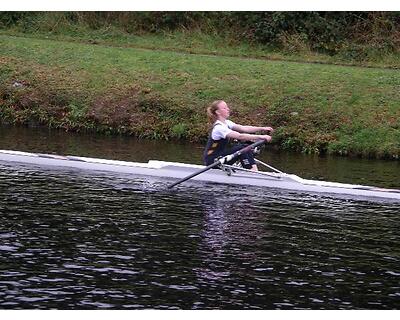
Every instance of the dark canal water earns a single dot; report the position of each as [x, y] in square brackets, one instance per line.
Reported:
[77, 240]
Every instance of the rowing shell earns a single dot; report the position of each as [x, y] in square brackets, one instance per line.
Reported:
[176, 170]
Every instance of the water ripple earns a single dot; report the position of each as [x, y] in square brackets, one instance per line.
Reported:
[93, 241]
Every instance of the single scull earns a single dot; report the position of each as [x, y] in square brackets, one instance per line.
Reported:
[229, 174]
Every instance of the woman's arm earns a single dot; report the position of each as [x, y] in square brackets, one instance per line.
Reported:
[251, 129]
[248, 137]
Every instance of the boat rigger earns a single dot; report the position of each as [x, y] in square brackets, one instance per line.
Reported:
[228, 174]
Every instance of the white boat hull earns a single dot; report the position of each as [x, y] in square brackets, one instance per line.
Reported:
[176, 170]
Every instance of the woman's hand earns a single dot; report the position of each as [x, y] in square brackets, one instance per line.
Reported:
[267, 129]
[266, 137]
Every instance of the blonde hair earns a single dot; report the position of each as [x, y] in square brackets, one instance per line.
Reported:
[211, 110]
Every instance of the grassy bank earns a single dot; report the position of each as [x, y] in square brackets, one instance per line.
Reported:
[197, 42]
[349, 38]
[162, 94]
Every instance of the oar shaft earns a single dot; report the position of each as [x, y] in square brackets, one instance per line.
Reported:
[220, 161]
[247, 149]
[215, 164]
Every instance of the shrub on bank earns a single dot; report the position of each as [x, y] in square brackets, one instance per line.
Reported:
[356, 36]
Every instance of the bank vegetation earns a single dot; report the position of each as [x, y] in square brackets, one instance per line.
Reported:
[152, 74]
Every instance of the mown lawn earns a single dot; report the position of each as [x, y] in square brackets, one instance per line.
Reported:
[162, 94]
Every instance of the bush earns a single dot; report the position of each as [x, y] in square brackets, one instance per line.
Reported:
[12, 18]
[327, 32]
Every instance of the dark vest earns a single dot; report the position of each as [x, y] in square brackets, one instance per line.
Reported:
[214, 148]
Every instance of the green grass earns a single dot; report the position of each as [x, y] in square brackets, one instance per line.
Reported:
[162, 94]
[198, 42]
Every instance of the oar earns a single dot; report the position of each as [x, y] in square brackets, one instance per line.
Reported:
[220, 161]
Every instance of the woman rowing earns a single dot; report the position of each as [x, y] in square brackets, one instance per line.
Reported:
[223, 130]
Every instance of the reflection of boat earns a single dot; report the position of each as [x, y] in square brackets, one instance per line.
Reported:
[230, 174]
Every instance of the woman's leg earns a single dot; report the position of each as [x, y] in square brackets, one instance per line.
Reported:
[246, 159]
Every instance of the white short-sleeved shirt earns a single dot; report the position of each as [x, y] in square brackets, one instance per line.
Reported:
[221, 130]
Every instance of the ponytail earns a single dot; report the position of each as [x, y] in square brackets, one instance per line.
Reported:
[211, 111]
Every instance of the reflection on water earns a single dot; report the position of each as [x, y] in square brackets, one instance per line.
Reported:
[101, 146]
[72, 239]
